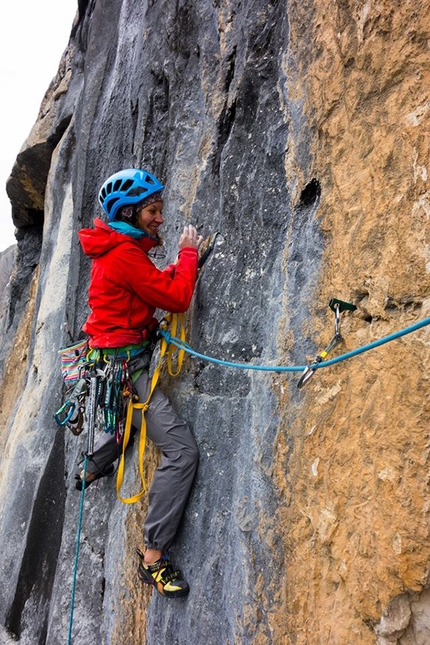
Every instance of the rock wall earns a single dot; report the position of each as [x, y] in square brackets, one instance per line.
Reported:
[299, 131]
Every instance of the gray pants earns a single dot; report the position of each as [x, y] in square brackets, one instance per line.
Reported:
[173, 479]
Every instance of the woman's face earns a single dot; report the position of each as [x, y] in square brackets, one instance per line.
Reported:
[150, 218]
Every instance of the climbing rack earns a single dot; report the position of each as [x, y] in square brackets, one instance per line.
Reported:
[337, 306]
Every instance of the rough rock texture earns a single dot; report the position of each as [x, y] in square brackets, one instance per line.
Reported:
[7, 263]
[300, 131]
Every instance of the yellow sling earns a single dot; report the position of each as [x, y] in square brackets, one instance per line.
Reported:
[175, 321]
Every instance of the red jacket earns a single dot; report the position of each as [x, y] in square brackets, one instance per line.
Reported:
[126, 287]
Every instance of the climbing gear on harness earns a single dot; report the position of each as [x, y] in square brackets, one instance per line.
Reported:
[127, 188]
[118, 388]
[73, 360]
[338, 306]
[162, 575]
[106, 394]
[94, 396]
[114, 387]
[106, 472]
[71, 412]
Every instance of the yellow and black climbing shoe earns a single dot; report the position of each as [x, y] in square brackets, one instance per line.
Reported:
[163, 577]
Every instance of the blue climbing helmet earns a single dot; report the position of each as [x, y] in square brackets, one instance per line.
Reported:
[126, 188]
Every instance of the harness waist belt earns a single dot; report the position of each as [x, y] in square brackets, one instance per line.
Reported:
[126, 352]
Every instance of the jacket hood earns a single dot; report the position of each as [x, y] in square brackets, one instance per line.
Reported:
[97, 241]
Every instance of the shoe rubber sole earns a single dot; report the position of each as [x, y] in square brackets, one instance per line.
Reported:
[146, 577]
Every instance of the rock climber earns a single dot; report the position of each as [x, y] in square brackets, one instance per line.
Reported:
[125, 289]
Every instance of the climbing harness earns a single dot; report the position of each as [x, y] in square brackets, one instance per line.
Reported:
[105, 381]
[338, 306]
[101, 395]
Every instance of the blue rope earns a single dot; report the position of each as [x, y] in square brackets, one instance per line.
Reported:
[295, 368]
[78, 542]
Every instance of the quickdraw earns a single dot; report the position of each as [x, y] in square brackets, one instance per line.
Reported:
[118, 389]
[338, 306]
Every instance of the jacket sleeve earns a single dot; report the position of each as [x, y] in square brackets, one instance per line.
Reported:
[168, 290]
[170, 270]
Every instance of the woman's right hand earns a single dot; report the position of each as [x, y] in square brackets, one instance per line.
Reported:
[190, 238]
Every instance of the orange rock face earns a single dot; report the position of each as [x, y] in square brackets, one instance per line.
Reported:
[356, 520]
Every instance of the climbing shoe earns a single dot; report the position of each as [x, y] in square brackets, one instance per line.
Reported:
[161, 575]
[109, 470]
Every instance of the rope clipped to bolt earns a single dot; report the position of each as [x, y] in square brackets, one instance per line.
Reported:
[307, 370]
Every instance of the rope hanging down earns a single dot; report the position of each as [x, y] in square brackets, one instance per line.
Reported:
[78, 543]
[184, 347]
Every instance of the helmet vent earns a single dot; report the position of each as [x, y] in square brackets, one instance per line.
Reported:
[112, 202]
[127, 184]
[138, 190]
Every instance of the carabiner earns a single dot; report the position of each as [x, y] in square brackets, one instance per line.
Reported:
[61, 416]
[309, 371]
[337, 306]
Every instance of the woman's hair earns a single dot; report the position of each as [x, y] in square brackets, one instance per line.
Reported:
[128, 214]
